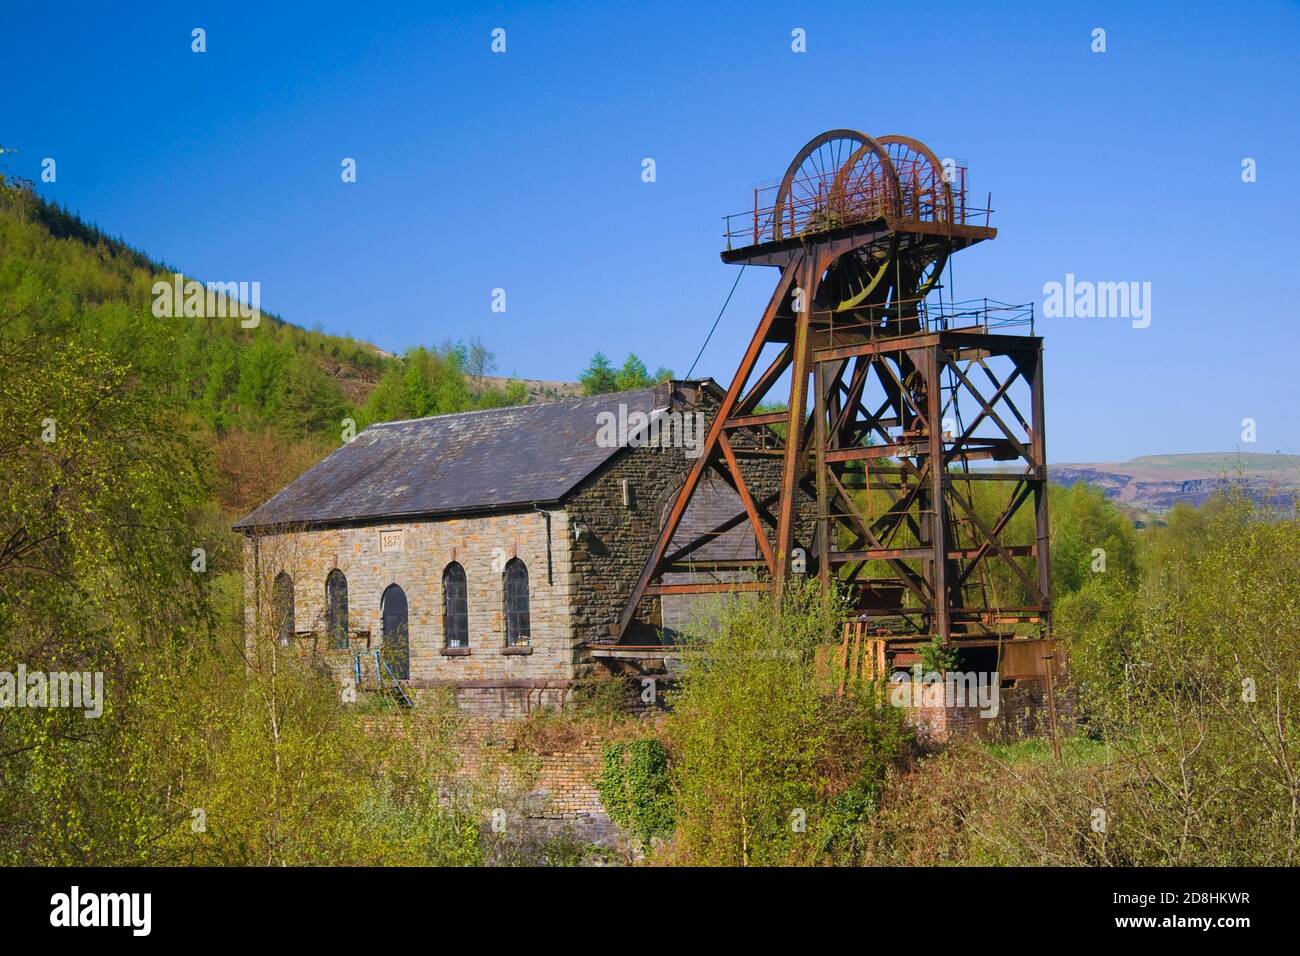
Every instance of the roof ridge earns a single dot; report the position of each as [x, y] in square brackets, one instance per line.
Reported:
[512, 408]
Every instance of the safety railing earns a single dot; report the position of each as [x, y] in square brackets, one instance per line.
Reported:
[814, 206]
[923, 315]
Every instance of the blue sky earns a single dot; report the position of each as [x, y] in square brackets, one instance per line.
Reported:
[523, 171]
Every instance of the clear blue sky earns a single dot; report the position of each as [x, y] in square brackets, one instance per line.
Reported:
[523, 171]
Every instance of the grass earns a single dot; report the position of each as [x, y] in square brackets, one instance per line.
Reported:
[1075, 749]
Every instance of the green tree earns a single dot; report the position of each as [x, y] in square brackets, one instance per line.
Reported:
[1084, 523]
[95, 576]
[515, 393]
[632, 375]
[310, 403]
[599, 377]
[427, 381]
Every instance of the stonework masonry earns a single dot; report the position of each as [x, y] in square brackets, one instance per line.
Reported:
[622, 509]
[415, 564]
[1022, 712]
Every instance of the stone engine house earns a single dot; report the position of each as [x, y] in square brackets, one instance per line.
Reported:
[485, 551]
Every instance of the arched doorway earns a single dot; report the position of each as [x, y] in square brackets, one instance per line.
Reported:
[397, 645]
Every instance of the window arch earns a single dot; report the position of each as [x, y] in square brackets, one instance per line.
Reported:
[455, 606]
[515, 580]
[336, 609]
[282, 607]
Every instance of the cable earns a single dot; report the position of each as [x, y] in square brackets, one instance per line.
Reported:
[718, 319]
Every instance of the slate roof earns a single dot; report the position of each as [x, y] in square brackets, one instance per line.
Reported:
[471, 461]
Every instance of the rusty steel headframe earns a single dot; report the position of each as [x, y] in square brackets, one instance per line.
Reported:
[872, 469]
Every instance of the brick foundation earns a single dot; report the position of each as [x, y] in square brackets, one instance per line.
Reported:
[557, 787]
[1022, 712]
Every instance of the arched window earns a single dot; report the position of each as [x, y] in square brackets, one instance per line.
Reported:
[516, 601]
[336, 609]
[455, 606]
[282, 607]
[397, 647]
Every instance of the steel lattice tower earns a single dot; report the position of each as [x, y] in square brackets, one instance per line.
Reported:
[897, 400]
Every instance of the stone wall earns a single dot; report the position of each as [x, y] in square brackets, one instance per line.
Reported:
[582, 598]
[621, 506]
[414, 557]
[625, 525]
[500, 699]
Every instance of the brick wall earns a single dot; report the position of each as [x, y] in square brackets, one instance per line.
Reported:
[564, 781]
[555, 789]
[1022, 712]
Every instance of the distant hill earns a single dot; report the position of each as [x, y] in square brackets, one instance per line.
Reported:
[1155, 483]
[539, 390]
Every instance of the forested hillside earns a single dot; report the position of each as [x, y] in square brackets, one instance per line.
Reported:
[266, 401]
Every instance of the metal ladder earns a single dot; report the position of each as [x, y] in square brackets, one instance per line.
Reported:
[385, 680]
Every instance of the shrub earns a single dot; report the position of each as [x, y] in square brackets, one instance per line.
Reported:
[769, 767]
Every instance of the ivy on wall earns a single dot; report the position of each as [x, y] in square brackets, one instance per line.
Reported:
[634, 787]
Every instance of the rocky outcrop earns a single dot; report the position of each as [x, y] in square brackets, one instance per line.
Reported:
[1157, 483]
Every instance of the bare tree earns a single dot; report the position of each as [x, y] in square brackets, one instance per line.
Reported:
[479, 362]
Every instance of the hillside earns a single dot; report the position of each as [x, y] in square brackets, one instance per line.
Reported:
[58, 273]
[1153, 484]
[266, 401]
[538, 390]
